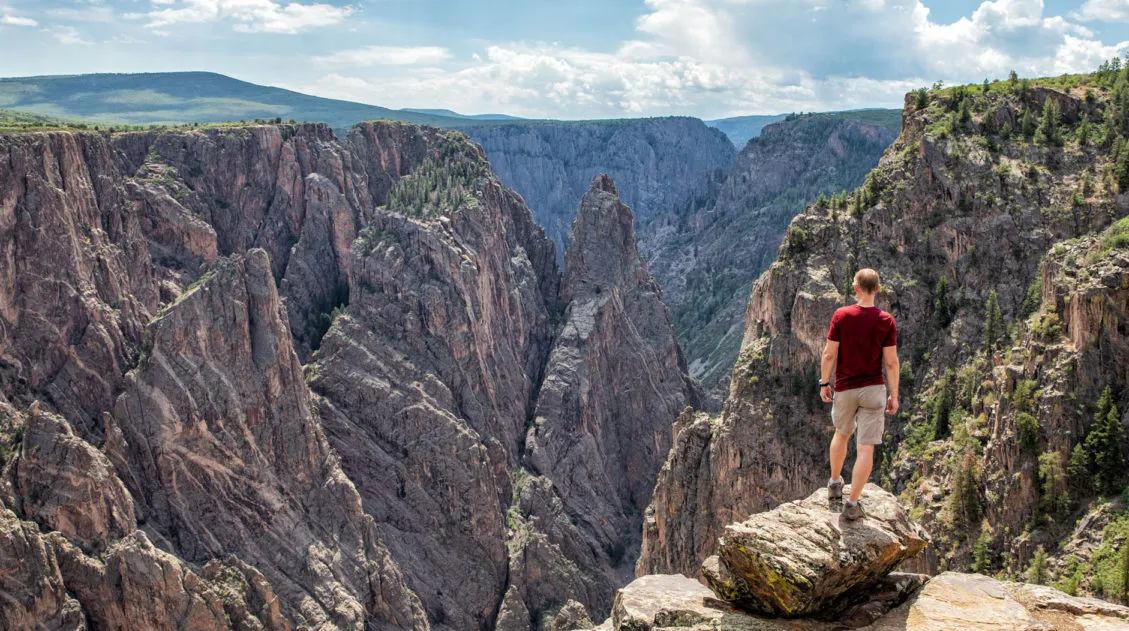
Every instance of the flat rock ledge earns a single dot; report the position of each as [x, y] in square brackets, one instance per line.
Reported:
[803, 557]
[949, 602]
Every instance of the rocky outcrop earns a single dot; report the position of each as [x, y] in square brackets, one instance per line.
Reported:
[955, 213]
[30, 580]
[800, 557]
[111, 575]
[219, 400]
[550, 163]
[133, 585]
[450, 396]
[65, 484]
[615, 381]
[591, 427]
[426, 380]
[707, 250]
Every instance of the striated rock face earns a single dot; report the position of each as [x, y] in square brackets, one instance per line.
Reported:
[707, 250]
[65, 484]
[122, 581]
[798, 558]
[450, 396]
[550, 163]
[616, 378]
[948, 219]
[427, 378]
[30, 580]
[219, 400]
[133, 585]
[615, 381]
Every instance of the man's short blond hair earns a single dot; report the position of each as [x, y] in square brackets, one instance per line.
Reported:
[867, 280]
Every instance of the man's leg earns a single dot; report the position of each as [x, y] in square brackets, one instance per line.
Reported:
[864, 462]
[838, 453]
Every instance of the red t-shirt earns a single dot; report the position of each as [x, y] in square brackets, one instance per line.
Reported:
[862, 333]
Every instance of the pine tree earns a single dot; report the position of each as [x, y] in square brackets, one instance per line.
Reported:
[987, 86]
[942, 309]
[1125, 570]
[941, 404]
[1121, 171]
[1054, 499]
[921, 98]
[982, 554]
[1103, 444]
[1084, 132]
[993, 323]
[1049, 132]
[965, 110]
[990, 124]
[1027, 125]
[1109, 130]
[964, 503]
[1037, 572]
[1079, 470]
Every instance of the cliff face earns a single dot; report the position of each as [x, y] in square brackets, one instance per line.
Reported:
[652, 160]
[117, 297]
[427, 378]
[958, 219]
[614, 381]
[707, 251]
[162, 292]
[451, 397]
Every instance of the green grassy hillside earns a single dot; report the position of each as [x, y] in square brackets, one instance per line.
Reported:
[185, 97]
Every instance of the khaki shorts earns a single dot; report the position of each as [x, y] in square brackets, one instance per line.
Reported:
[864, 407]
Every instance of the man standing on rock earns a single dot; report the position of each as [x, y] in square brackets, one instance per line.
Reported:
[863, 339]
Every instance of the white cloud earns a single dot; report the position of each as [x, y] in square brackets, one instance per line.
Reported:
[90, 13]
[387, 56]
[68, 35]
[728, 57]
[1105, 10]
[17, 21]
[259, 16]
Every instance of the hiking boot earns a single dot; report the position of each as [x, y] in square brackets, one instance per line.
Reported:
[853, 511]
[835, 489]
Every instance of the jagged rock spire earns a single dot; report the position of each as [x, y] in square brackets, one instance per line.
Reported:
[601, 251]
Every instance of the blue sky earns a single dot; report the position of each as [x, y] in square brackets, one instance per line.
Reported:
[573, 58]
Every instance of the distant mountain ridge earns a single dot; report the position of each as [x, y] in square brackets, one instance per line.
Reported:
[741, 129]
[185, 97]
[454, 114]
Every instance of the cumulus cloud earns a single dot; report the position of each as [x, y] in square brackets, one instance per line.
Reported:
[387, 56]
[17, 21]
[263, 16]
[68, 35]
[727, 57]
[1107, 10]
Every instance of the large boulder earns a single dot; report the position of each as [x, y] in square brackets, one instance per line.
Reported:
[802, 557]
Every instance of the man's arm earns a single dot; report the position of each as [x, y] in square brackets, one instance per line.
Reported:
[826, 367]
[893, 376]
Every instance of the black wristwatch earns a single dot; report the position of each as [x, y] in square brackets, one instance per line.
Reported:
[825, 385]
